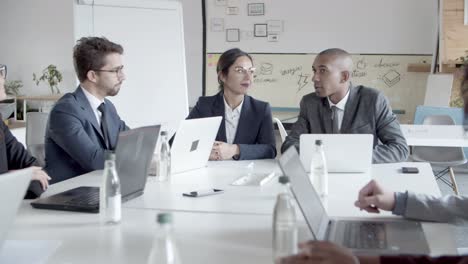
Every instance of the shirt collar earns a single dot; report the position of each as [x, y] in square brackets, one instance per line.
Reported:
[93, 100]
[228, 108]
[342, 103]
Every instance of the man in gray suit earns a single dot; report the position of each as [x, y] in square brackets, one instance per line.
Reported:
[83, 124]
[337, 106]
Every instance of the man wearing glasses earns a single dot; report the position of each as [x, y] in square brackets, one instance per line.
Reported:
[13, 155]
[84, 124]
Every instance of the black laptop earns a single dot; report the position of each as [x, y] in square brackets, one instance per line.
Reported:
[134, 152]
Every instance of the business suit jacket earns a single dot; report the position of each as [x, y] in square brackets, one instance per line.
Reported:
[13, 156]
[366, 112]
[446, 209]
[74, 143]
[254, 133]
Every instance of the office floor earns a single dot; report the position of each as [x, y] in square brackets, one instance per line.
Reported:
[461, 175]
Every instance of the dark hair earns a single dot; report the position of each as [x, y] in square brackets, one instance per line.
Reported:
[226, 60]
[89, 54]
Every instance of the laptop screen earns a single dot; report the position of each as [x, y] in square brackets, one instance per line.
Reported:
[305, 194]
[134, 152]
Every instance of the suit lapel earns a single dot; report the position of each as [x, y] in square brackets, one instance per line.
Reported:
[350, 109]
[88, 111]
[245, 119]
[218, 110]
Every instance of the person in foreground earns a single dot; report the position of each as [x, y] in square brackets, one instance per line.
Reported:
[13, 155]
[84, 124]
[246, 131]
[373, 198]
[337, 106]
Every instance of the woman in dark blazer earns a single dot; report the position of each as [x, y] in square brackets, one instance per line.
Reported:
[13, 155]
[246, 131]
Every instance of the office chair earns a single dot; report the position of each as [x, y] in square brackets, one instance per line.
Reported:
[446, 157]
[36, 123]
[281, 129]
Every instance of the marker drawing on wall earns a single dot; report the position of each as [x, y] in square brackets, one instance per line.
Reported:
[275, 26]
[266, 68]
[247, 35]
[232, 10]
[220, 2]
[232, 35]
[256, 9]
[217, 24]
[260, 30]
[273, 37]
[391, 78]
[303, 81]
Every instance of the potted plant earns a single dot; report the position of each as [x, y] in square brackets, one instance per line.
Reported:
[52, 76]
[13, 87]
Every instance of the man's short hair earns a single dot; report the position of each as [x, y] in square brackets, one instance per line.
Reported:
[334, 52]
[89, 54]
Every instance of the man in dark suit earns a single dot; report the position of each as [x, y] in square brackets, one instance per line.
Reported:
[13, 155]
[337, 106]
[83, 124]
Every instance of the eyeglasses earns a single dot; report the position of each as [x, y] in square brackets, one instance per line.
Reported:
[242, 70]
[3, 71]
[118, 71]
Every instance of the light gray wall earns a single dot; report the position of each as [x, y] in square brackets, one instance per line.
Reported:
[33, 35]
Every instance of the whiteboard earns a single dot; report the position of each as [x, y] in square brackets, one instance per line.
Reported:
[151, 33]
[283, 79]
[310, 26]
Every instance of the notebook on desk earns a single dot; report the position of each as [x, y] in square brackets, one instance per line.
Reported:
[363, 236]
[343, 152]
[13, 186]
[133, 157]
[193, 143]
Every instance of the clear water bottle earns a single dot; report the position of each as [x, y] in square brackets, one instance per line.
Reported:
[284, 223]
[164, 159]
[164, 249]
[110, 199]
[318, 170]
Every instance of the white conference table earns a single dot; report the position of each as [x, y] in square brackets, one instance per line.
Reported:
[435, 135]
[233, 227]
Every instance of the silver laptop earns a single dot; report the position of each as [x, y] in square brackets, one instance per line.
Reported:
[343, 152]
[363, 236]
[193, 143]
[13, 186]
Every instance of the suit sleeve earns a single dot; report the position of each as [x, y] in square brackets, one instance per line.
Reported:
[265, 147]
[67, 131]
[302, 126]
[447, 209]
[18, 157]
[393, 147]
[195, 113]
[423, 260]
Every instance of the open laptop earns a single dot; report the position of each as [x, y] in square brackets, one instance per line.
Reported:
[193, 142]
[13, 186]
[343, 152]
[363, 236]
[134, 152]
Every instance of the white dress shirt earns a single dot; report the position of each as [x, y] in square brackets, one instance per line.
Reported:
[231, 118]
[340, 108]
[95, 103]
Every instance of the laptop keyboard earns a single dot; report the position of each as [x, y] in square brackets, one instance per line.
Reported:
[365, 235]
[87, 199]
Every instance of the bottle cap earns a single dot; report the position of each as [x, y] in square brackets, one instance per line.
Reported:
[109, 155]
[164, 218]
[318, 142]
[283, 179]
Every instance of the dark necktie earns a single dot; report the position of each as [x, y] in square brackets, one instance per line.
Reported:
[335, 120]
[104, 129]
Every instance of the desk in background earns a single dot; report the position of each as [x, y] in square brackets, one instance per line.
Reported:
[435, 135]
[39, 98]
